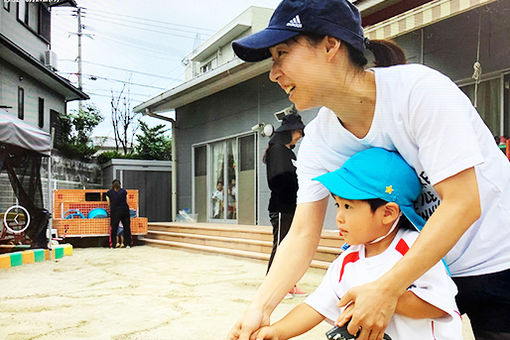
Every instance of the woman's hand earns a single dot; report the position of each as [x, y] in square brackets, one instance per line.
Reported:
[266, 333]
[371, 309]
[252, 320]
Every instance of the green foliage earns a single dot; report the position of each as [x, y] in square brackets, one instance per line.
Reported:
[74, 130]
[152, 143]
[108, 155]
[84, 121]
[82, 152]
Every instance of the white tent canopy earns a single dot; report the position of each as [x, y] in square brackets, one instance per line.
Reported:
[16, 132]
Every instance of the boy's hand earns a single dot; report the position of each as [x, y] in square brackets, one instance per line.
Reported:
[346, 314]
[265, 333]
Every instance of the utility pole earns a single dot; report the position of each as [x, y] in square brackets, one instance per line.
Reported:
[80, 33]
[78, 59]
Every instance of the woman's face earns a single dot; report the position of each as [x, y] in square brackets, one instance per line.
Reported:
[297, 69]
[296, 136]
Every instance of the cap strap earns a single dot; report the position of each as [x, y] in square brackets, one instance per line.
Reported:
[389, 232]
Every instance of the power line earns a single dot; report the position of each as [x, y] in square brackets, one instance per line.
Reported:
[94, 77]
[145, 19]
[141, 47]
[127, 70]
[141, 28]
[116, 18]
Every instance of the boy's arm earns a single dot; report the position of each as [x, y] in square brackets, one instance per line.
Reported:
[413, 307]
[298, 321]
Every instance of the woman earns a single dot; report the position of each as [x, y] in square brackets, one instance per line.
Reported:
[119, 212]
[317, 48]
[282, 181]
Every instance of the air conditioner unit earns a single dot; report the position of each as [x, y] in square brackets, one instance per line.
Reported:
[50, 59]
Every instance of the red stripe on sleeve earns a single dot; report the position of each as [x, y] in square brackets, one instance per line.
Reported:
[402, 247]
[352, 257]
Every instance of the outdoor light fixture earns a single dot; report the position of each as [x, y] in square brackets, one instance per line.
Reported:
[265, 130]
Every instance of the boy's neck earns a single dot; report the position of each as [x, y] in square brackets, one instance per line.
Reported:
[379, 247]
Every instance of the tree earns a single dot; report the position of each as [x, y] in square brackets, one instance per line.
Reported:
[152, 143]
[123, 120]
[75, 129]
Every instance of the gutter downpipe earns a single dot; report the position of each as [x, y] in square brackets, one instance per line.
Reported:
[147, 112]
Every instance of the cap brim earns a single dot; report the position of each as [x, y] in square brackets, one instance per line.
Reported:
[255, 47]
[340, 187]
[417, 221]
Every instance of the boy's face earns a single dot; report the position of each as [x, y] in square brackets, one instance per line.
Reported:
[219, 186]
[356, 221]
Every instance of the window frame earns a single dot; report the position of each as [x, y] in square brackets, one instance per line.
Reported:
[25, 19]
[21, 103]
[41, 112]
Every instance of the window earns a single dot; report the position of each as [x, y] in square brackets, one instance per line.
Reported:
[44, 29]
[206, 67]
[21, 103]
[23, 12]
[56, 127]
[41, 112]
[201, 161]
[7, 6]
[506, 104]
[488, 102]
[247, 145]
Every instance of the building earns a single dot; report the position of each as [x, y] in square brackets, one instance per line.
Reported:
[30, 89]
[224, 97]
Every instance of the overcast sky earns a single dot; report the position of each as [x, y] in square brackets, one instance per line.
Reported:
[142, 42]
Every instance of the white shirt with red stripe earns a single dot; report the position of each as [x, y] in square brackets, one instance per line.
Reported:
[353, 269]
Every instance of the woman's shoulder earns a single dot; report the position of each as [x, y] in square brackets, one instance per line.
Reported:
[407, 74]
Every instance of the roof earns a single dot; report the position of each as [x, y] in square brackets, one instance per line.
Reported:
[19, 58]
[14, 131]
[232, 72]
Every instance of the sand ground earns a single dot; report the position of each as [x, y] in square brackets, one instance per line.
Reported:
[138, 293]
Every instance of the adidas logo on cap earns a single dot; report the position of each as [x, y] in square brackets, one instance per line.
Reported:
[295, 22]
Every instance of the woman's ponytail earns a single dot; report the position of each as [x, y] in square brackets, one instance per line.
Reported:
[386, 53]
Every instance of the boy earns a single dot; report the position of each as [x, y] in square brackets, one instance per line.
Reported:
[120, 236]
[374, 192]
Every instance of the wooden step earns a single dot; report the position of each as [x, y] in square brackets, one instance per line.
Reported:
[264, 233]
[239, 240]
[327, 254]
[226, 251]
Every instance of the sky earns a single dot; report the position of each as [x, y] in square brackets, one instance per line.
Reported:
[137, 43]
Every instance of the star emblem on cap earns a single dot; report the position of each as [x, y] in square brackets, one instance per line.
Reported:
[389, 189]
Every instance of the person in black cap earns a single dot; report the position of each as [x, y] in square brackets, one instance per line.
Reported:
[318, 47]
[282, 181]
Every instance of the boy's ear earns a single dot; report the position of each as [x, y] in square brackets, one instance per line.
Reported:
[391, 211]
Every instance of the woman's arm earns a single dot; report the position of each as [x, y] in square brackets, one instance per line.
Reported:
[375, 302]
[299, 320]
[290, 263]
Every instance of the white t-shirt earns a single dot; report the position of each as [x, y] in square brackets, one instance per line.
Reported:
[352, 269]
[424, 116]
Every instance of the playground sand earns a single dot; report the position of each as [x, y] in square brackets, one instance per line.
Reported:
[138, 293]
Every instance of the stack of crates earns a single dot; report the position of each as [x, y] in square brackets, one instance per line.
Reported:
[65, 199]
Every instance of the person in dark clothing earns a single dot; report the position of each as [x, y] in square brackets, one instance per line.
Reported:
[119, 212]
[282, 180]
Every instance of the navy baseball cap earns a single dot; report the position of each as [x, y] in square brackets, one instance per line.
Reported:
[336, 18]
[377, 173]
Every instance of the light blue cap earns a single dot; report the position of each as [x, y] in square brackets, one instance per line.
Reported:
[377, 173]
